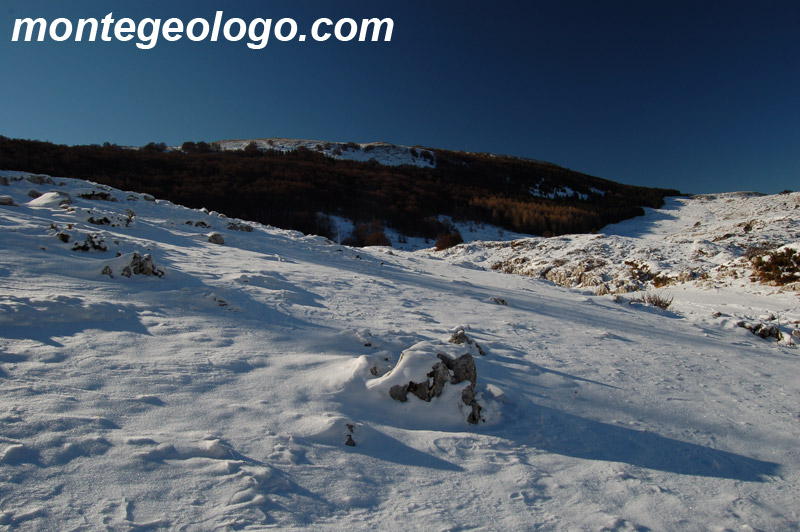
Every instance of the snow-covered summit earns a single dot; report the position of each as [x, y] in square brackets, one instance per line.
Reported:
[169, 368]
[380, 152]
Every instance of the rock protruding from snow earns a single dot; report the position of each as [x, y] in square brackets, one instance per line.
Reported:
[142, 265]
[37, 179]
[762, 330]
[133, 264]
[236, 226]
[429, 374]
[6, 200]
[460, 337]
[96, 195]
[463, 368]
[92, 243]
[216, 238]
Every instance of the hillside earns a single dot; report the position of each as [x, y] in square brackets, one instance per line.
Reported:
[166, 368]
[305, 185]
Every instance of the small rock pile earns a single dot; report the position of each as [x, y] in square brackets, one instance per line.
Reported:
[763, 330]
[138, 265]
[426, 369]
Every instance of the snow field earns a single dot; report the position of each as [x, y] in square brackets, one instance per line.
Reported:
[221, 395]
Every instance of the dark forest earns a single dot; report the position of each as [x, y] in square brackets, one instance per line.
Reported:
[297, 189]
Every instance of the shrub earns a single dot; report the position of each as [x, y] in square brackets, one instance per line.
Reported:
[656, 300]
[661, 280]
[325, 226]
[197, 147]
[377, 239]
[427, 156]
[446, 241]
[155, 147]
[252, 148]
[756, 251]
[368, 234]
[205, 147]
[639, 272]
[777, 267]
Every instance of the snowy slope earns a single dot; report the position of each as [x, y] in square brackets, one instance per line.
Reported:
[220, 392]
[697, 245]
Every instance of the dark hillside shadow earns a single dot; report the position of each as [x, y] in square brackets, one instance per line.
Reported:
[45, 321]
[642, 225]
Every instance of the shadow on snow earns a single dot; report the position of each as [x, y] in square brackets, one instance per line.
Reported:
[565, 434]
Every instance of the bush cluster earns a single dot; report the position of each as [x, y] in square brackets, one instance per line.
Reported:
[777, 267]
[656, 300]
[449, 240]
[368, 234]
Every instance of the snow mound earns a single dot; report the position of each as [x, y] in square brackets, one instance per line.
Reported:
[51, 200]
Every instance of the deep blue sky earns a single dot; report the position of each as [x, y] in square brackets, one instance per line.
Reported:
[699, 96]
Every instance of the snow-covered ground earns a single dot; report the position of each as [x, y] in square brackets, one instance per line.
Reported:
[221, 392]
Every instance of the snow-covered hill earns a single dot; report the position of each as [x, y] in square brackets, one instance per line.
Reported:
[168, 368]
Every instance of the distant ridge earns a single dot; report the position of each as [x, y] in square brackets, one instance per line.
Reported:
[381, 152]
[301, 184]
